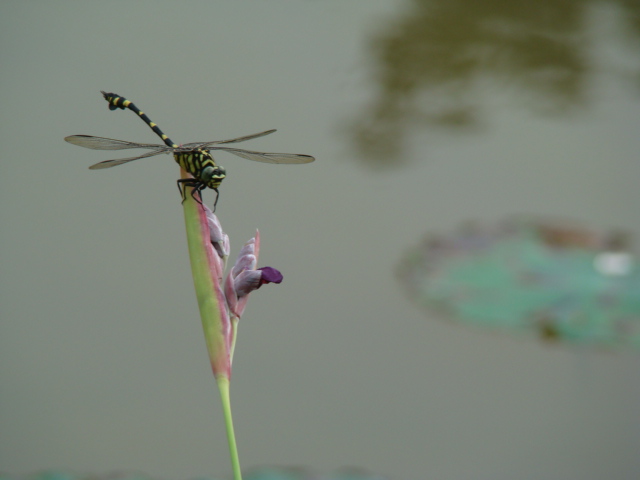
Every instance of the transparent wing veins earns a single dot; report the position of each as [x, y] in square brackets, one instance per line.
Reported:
[103, 143]
[120, 161]
[233, 140]
[282, 158]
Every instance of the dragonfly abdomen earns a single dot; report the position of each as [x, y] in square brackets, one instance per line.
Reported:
[116, 101]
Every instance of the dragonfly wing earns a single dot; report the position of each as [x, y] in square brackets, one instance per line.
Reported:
[102, 143]
[268, 157]
[120, 161]
[233, 140]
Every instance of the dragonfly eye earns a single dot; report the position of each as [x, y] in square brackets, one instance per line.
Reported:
[209, 173]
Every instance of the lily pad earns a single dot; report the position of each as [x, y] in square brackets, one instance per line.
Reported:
[557, 280]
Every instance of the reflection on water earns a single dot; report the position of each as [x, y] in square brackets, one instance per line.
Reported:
[559, 281]
[433, 62]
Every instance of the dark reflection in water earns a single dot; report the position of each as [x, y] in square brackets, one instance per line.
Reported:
[432, 63]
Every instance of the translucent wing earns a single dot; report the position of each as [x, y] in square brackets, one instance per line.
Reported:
[267, 157]
[233, 140]
[102, 143]
[120, 161]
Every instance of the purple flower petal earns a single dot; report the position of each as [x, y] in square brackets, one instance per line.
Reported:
[244, 262]
[244, 278]
[219, 239]
[247, 282]
[270, 275]
[250, 280]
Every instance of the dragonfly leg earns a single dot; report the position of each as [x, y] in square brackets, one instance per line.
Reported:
[217, 196]
[180, 187]
[197, 189]
[196, 186]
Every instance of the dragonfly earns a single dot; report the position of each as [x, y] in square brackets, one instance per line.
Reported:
[195, 157]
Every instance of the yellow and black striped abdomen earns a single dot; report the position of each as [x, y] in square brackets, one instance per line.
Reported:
[116, 101]
[201, 165]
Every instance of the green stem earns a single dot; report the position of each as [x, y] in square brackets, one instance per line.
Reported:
[223, 387]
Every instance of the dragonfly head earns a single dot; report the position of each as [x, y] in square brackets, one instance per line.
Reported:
[213, 175]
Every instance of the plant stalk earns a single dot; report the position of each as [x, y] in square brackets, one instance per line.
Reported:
[223, 387]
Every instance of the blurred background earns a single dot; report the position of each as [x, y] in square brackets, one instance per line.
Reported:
[422, 115]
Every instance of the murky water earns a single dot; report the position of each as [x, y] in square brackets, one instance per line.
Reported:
[422, 115]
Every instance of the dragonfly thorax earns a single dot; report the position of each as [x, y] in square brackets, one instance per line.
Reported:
[201, 165]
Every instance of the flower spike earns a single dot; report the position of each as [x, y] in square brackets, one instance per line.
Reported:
[244, 278]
